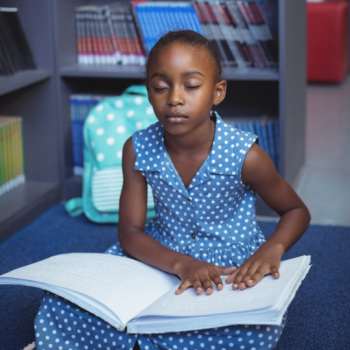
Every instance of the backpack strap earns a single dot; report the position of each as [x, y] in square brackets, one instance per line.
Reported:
[74, 207]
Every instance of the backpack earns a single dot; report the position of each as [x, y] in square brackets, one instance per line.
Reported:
[108, 125]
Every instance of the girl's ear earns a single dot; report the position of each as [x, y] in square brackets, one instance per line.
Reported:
[219, 92]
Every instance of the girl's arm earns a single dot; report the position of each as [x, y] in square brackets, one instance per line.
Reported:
[133, 239]
[260, 173]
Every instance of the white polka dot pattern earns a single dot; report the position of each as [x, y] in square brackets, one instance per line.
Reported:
[213, 219]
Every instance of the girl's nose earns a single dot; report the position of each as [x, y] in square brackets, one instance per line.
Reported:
[175, 97]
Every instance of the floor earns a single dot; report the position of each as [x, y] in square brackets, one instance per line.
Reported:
[324, 182]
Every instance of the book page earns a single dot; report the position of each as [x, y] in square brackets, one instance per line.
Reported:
[265, 294]
[124, 285]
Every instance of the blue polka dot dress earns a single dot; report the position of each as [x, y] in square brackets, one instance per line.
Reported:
[213, 220]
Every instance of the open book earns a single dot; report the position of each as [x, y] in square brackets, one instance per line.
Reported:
[129, 294]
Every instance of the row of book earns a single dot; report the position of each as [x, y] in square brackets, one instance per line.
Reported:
[267, 130]
[125, 34]
[80, 106]
[11, 154]
[15, 53]
[107, 35]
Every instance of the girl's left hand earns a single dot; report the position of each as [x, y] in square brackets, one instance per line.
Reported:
[265, 261]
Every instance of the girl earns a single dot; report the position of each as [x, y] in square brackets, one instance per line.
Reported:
[204, 175]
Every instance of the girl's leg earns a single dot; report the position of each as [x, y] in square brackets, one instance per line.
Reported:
[62, 325]
[224, 338]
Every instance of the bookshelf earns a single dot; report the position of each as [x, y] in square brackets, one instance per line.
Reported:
[31, 95]
[251, 92]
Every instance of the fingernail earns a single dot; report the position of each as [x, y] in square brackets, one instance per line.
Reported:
[235, 285]
[219, 285]
[249, 281]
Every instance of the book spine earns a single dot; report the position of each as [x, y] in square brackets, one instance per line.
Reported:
[113, 37]
[79, 38]
[241, 26]
[119, 33]
[141, 34]
[140, 59]
[88, 36]
[104, 35]
[99, 39]
[229, 34]
[240, 43]
[256, 34]
[207, 28]
[130, 36]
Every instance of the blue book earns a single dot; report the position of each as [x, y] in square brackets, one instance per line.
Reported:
[260, 135]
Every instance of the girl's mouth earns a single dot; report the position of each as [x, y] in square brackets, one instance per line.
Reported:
[176, 118]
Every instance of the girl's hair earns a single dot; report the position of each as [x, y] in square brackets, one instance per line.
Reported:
[190, 38]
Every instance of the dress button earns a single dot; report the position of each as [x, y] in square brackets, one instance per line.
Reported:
[193, 235]
[189, 199]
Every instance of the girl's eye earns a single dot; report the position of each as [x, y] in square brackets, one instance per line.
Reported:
[192, 87]
[159, 89]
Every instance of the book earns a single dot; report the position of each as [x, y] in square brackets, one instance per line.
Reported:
[11, 154]
[108, 286]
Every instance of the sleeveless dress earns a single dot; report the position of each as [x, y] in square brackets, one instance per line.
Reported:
[213, 220]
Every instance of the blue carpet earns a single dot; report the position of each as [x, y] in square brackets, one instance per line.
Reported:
[318, 317]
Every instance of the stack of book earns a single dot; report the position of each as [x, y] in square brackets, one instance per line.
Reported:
[80, 106]
[107, 35]
[11, 154]
[15, 53]
[267, 130]
[125, 34]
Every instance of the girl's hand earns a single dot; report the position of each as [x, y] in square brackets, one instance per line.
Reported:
[265, 261]
[199, 274]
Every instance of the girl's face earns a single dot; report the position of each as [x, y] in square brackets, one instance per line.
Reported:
[182, 87]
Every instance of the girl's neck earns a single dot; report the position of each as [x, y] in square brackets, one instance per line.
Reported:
[199, 139]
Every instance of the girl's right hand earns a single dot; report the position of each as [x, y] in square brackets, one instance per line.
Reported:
[199, 275]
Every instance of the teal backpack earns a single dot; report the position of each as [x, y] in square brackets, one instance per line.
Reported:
[108, 125]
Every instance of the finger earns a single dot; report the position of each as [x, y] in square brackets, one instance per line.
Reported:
[217, 280]
[241, 273]
[274, 271]
[183, 286]
[250, 272]
[225, 271]
[197, 285]
[232, 277]
[258, 275]
[206, 284]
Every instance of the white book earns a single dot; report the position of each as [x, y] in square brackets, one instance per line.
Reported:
[129, 294]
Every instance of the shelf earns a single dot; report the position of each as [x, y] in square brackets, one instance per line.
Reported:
[9, 83]
[137, 72]
[25, 203]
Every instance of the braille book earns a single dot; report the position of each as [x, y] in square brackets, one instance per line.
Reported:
[134, 296]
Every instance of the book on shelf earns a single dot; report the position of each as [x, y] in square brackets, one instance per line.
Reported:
[267, 130]
[80, 106]
[237, 29]
[15, 53]
[107, 35]
[108, 286]
[11, 154]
